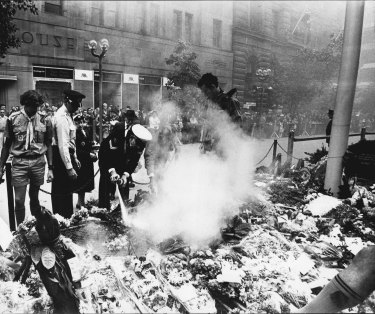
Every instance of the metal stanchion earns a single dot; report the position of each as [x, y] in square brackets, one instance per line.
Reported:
[8, 176]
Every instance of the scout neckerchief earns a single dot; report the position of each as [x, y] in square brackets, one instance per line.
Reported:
[29, 130]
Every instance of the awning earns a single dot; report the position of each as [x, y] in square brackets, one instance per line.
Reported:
[8, 77]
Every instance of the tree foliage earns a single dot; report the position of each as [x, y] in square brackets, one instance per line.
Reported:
[186, 70]
[309, 79]
[8, 9]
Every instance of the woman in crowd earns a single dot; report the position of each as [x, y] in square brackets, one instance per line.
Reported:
[85, 176]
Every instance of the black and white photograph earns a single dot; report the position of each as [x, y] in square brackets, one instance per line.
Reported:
[187, 157]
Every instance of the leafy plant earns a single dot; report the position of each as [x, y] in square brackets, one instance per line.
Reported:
[186, 69]
[8, 9]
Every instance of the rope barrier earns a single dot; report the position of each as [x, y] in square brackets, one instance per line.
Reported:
[287, 152]
[265, 155]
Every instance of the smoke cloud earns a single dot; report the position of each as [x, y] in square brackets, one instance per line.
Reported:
[198, 191]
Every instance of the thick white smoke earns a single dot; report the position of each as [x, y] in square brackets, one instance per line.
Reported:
[198, 191]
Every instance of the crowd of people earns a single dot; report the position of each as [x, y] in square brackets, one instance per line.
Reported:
[62, 139]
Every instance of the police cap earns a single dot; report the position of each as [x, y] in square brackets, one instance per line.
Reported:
[141, 132]
[73, 96]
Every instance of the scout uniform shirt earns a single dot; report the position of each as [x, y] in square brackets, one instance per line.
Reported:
[64, 135]
[30, 136]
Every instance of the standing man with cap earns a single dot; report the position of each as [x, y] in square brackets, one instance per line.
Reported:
[28, 137]
[65, 159]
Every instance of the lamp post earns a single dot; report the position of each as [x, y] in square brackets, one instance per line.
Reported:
[104, 45]
[263, 75]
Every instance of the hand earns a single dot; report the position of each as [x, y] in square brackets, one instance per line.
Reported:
[124, 180]
[114, 176]
[72, 174]
[93, 157]
[50, 176]
[78, 164]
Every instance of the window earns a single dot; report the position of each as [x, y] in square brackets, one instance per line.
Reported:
[276, 22]
[141, 17]
[97, 13]
[177, 24]
[188, 27]
[54, 7]
[110, 10]
[256, 15]
[154, 19]
[217, 33]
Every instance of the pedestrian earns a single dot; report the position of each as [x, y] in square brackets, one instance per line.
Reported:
[3, 122]
[65, 161]
[28, 137]
[329, 126]
[209, 85]
[85, 175]
[119, 155]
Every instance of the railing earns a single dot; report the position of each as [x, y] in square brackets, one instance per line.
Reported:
[292, 139]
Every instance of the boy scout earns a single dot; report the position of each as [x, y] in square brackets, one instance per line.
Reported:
[28, 137]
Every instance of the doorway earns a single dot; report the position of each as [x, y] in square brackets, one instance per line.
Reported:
[52, 91]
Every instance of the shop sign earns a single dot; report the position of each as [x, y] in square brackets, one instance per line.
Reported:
[108, 77]
[149, 80]
[131, 78]
[53, 73]
[83, 75]
[50, 40]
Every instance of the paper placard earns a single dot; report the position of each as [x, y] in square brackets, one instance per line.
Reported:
[83, 75]
[131, 78]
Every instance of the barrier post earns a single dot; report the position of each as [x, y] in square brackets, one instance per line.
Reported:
[8, 176]
[290, 148]
[274, 150]
[363, 134]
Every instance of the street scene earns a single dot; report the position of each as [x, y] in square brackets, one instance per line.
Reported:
[187, 156]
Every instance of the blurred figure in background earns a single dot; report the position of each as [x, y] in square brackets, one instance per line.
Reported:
[3, 122]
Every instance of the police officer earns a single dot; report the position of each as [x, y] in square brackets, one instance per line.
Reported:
[119, 155]
[65, 159]
[28, 136]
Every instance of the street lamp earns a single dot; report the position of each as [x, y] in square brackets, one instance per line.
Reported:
[263, 75]
[104, 45]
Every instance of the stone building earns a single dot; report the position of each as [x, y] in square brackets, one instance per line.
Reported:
[263, 30]
[366, 74]
[55, 56]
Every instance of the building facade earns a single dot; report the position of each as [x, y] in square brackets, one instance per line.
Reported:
[267, 30]
[55, 56]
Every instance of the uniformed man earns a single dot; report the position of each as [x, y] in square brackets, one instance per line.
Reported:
[119, 155]
[28, 136]
[65, 159]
